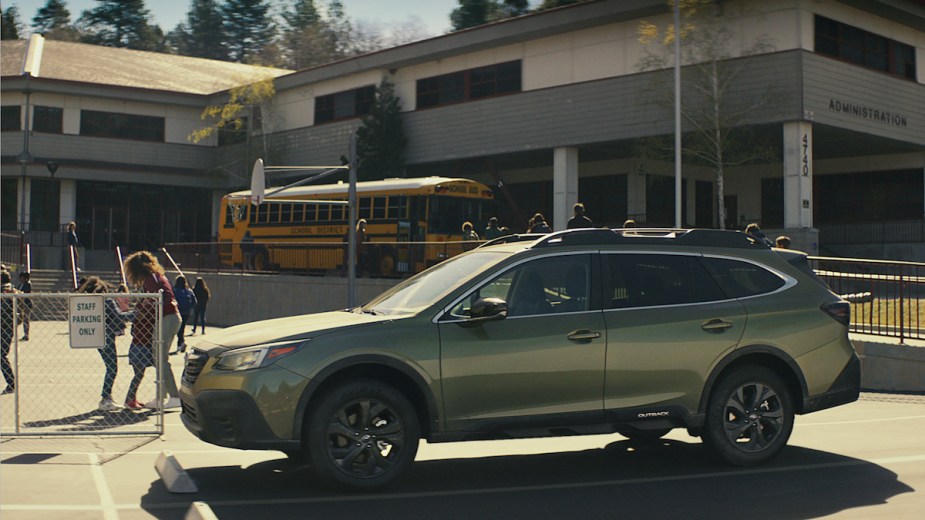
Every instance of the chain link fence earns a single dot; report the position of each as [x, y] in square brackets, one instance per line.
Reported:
[67, 367]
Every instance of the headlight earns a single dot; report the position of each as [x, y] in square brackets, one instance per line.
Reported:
[255, 357]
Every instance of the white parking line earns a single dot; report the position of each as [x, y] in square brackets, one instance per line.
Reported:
[107, 504]
[480, 491]
[885, 419]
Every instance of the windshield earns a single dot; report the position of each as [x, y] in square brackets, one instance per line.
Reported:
[421, 291]
[448, 213]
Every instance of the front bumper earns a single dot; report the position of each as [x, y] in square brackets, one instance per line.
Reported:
[231, 418]
[845, 389]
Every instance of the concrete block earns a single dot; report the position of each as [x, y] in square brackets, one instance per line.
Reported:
[891, 367]
[175, 478]
[200, 511]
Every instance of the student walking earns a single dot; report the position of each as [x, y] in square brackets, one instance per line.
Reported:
[115, 326]
[143, 270]
[25, 305]
[202, 293]
[186, 301]
[7, 332]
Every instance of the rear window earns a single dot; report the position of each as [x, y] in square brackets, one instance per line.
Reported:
[740, 279]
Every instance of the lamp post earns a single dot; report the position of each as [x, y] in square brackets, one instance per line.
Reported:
[31, 64]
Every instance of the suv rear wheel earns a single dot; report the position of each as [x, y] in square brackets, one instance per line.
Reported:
[362, 434]
[749, 417]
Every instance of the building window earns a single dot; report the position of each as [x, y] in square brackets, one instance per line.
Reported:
[9, 203]
[10, 116]
[863, 48]
[49, 120]
[233, 133]
[344, 105]
[121, 126]
[469, 85]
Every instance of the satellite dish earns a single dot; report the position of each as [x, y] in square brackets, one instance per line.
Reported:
[258, 181]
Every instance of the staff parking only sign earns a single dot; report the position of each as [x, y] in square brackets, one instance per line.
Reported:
[87, 321]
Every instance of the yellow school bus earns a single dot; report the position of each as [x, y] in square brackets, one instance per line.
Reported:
[401, 215]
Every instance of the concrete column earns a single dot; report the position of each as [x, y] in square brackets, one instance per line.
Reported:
[25, 201]
[564, 186]
[67, 207]
[798, 175]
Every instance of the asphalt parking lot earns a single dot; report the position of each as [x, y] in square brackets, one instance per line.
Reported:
[863, 460]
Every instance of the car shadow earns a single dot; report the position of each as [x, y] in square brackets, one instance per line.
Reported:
[661, 479]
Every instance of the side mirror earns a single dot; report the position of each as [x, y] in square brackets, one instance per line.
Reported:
[486, 309]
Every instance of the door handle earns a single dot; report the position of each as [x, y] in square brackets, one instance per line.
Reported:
[583, 335]
[716, 325]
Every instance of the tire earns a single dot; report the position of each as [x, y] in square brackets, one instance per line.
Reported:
[387, 264]
[362, 434]
[749, 417]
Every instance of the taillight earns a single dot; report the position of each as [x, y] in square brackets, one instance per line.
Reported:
[839, 311]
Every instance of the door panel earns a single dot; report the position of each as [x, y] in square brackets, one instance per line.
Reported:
[546, 357]
[668, 324]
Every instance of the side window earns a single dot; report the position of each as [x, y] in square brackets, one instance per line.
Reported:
[545, 286]
[649, 280]
[739, 279]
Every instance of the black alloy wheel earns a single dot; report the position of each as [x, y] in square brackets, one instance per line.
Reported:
[362, 435]
[749, 418]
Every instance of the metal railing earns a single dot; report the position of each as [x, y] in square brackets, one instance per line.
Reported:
[887, 298]
[11, 245]
[379, 259]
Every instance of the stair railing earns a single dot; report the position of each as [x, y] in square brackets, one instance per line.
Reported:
[121, 264]
[72, 253]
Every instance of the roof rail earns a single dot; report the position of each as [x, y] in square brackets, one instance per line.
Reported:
[651, 236]
[507, 239]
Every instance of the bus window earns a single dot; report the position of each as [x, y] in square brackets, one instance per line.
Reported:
[337, 212]
[229, 220]
[365, 208]
[379, 206]
[398, 207]
[286, 215]
[311, 213]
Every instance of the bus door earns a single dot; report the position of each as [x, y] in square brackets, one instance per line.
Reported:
[403, 264]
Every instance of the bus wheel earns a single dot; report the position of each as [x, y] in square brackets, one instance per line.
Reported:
[387, 264]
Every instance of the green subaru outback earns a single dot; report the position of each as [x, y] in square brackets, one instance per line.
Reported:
[578, 332]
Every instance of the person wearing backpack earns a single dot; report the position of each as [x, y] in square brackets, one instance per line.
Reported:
[186, 300]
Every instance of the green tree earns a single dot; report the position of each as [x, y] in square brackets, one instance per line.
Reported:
[203, 34]
[304, 14]
[54, 15]
[11, 26]
[472, 13]
[248, 28]
[714, 111]
[381, 139]
[121, 23]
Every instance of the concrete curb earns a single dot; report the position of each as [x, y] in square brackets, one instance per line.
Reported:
[891, 367]
[175, 478]
[200, 511]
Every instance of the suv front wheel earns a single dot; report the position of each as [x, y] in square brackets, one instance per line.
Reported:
[749, 417]
[362, 434]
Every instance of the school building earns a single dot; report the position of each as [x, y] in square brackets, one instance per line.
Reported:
[826, 99]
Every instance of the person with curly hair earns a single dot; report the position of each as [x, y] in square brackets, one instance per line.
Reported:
[144, 271]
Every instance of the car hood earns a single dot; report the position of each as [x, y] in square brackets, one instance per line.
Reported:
[286, 329]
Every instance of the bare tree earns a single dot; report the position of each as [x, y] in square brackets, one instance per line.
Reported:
[713, 106]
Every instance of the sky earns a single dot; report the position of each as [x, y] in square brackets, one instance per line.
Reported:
[435, 14]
